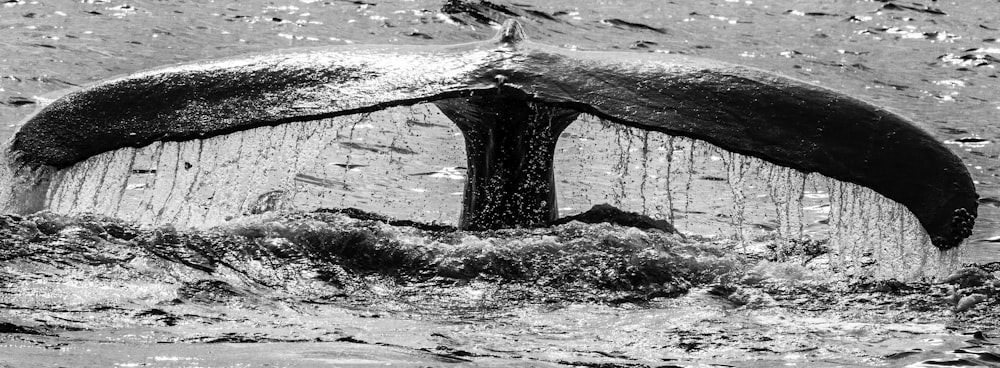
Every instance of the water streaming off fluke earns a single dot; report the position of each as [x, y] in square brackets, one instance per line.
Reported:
[706, 190]
[382, 162]
[365, 161]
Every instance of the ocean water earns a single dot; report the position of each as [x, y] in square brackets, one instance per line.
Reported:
[350, 289]
[935, 63]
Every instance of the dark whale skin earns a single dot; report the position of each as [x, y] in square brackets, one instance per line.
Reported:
[745, 110]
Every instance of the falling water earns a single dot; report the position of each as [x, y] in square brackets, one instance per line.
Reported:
[350, 161]
[406, 162]
[707, 190]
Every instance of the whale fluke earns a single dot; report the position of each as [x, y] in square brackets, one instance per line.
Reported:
[778, 119]
[511, 32]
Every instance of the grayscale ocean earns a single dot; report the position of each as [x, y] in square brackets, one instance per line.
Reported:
[296, 276]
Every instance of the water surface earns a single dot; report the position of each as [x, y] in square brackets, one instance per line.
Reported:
[935, 64]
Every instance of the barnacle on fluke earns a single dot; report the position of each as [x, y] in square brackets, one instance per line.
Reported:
[511, 98]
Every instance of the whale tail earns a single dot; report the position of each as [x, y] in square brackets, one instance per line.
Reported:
[194, 124]
[511, 33]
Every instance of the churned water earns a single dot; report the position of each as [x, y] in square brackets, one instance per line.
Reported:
[752, 284]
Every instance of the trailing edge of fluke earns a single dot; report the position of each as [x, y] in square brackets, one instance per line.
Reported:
[745, 110]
